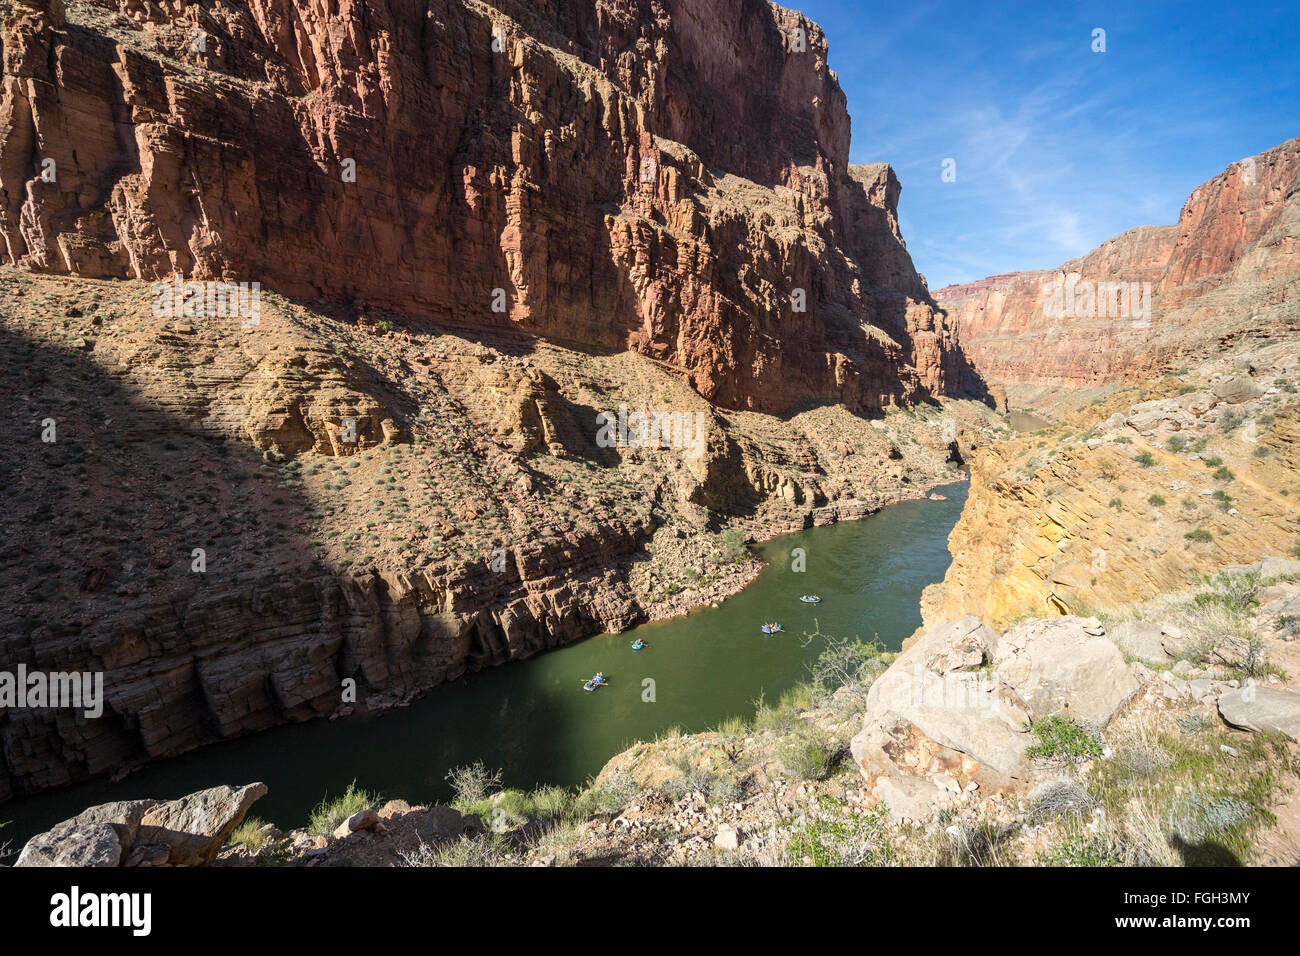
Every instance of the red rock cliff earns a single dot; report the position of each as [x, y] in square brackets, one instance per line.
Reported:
[661, 176]
[1230, 267]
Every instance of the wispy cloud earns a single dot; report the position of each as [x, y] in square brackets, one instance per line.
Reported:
[1057, 148]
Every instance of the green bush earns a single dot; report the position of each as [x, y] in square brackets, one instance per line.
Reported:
[855, 838]
[1062, 737]
[328, 814]
[1200, 534]
[249, 834]
[810, 753]
[1082, 849]
[1156, 501]
[613, 794]
[1145, 459]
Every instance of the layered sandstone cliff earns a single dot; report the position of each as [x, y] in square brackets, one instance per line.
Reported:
[671, 178]
[1133, 495]
[1229, 269]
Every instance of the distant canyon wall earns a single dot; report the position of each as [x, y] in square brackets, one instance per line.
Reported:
[1229, 268]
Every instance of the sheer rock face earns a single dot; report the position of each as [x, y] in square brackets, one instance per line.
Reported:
[1230, 266]
[661, 177]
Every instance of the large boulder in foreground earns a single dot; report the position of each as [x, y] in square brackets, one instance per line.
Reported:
[953, 712]
[185, 832]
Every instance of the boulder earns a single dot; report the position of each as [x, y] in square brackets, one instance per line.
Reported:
[1262, 709]
[952, 713]
[1275, 567]
[365, 819]
[1146, 417]
[98, 836]
[935, 711]
[185, 832]
[1236, 390]
[1059, 669]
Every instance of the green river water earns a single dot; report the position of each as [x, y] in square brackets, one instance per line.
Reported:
[532, 718]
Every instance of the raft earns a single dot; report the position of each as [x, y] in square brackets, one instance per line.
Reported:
[772, 630]
[637, 645]
[594, 682]
[811, 599]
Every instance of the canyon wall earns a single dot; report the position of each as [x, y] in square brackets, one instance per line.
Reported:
[475, 225]
[1229, 269]
[1133, 496]
[669, 177]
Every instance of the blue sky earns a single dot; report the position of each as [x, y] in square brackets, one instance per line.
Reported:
[1057, 148]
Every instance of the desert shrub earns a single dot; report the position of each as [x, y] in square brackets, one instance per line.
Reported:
[732, 727]
[1218, 620]
[1084, 848]
[789, 706]
[1156, 501]
[839, 837]
[250, 834]
[1061, 797]
[1145, 459]
[551, 803]
[1198, 817]
[1230, 419]
[328, 814]
[715, 786]
[1200, 535]
[733, 545]
[810, 753]
[472, 784]
[488, 849]
[981, 844]
[613, 794]
[1062, 737]
[852, 665]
